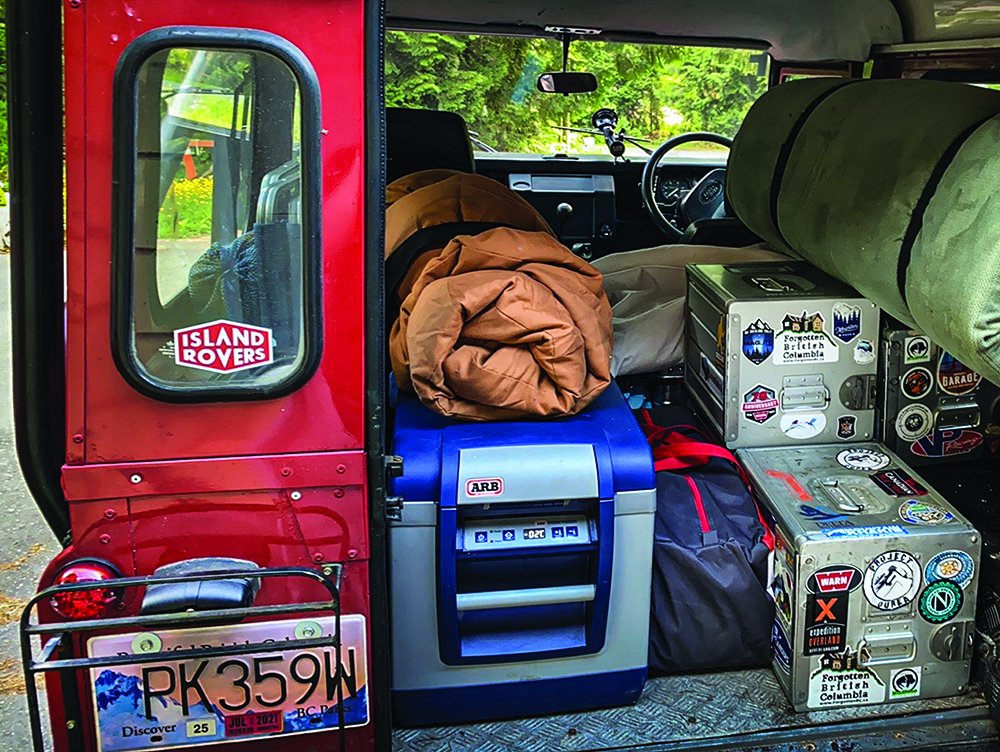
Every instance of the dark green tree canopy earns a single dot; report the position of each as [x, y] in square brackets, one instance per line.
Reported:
[657, 90]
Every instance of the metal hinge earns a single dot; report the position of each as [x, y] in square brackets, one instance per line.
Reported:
[394, 504]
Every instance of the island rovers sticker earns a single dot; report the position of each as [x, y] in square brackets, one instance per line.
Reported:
[892, 580]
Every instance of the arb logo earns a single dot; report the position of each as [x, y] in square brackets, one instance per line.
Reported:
[484, 487]
[223, 346]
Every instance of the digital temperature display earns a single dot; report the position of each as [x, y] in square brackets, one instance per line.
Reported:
[534, 533]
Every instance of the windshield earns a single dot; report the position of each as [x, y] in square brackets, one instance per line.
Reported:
[658, 91]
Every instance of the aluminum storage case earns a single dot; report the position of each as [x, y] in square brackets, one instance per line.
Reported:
[874, 580]
[780, 354]
[934, 408]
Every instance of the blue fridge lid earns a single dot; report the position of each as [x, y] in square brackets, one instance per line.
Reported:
[608, 424]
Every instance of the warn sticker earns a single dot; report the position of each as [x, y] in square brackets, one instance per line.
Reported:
[484, 487]
[842, 579]
[223, 346]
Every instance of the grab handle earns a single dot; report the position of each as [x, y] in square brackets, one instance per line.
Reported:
[528, 597]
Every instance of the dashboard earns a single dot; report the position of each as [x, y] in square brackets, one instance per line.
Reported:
[608, 214]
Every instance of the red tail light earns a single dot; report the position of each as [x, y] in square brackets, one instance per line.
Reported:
[85, 604]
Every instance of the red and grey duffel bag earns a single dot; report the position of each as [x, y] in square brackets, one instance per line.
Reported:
[710, 606]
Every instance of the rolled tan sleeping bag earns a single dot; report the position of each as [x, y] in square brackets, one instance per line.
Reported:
[876, 170]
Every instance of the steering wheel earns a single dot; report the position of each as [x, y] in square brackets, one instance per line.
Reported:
[705, 200]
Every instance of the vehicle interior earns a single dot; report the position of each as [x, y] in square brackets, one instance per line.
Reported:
[636, 198]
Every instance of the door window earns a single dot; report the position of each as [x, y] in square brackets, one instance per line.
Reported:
[218, 264]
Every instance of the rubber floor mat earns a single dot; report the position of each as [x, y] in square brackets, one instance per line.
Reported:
[687, 706]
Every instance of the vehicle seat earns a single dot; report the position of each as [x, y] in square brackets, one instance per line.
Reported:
[419, 140]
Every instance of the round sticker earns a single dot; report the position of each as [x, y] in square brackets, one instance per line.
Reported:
[956, 566]
[864, 352]
[865, 460]
[917, 382]
[802, 425]
[921, 513]
[892, 580]
[914, 422]
[954, 377]
[940, 601]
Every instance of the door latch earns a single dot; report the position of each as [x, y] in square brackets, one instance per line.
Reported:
[394, 504]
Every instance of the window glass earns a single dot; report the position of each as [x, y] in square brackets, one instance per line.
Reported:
[658, 91]
[218, 291]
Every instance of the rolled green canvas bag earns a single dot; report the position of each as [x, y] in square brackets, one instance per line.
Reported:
[885, 185]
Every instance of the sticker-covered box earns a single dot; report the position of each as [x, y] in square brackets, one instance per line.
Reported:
[780, 354]
[874, 577]
[934, 407]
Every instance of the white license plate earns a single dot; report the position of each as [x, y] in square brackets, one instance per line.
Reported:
[230, 698]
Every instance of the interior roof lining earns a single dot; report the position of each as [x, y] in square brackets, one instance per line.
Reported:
[606, 35]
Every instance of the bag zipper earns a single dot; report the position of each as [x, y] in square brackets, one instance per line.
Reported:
[699, 505]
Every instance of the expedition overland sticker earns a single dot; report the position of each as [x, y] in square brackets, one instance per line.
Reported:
[826, 608]
[802, 340]
[223, 346]
[875, 531]
[898, 483]
[846, 321]
[956, 566]
[946, 443]
[941, 601]
[822, 517]
[758, 342]
[844, 679]
[892, 580]
[916, 350]
[914, 422]
[865, 460]
[802, 425]
[954, 377]
[846, 426]
[864, 352]
[780, 647]
[921, 513]
[760, 404]
[916, 383]
[904, 682]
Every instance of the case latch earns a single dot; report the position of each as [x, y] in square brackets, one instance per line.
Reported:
[804, 392]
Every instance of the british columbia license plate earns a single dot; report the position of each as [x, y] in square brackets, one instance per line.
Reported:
[229, 698]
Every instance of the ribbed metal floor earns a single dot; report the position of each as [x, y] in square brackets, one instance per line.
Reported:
[697, 706]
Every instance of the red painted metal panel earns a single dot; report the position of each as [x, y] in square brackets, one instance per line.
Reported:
[326, 414]
[76, 237]
[135, 479]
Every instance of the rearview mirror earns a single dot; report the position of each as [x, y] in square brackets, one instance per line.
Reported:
[567, 82]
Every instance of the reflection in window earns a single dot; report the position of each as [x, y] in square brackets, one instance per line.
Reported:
[218, 264]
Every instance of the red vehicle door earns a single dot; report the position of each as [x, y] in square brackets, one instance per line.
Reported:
[223, 214]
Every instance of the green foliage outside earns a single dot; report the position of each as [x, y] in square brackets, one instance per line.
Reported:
[187, 210]
[658, 91]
